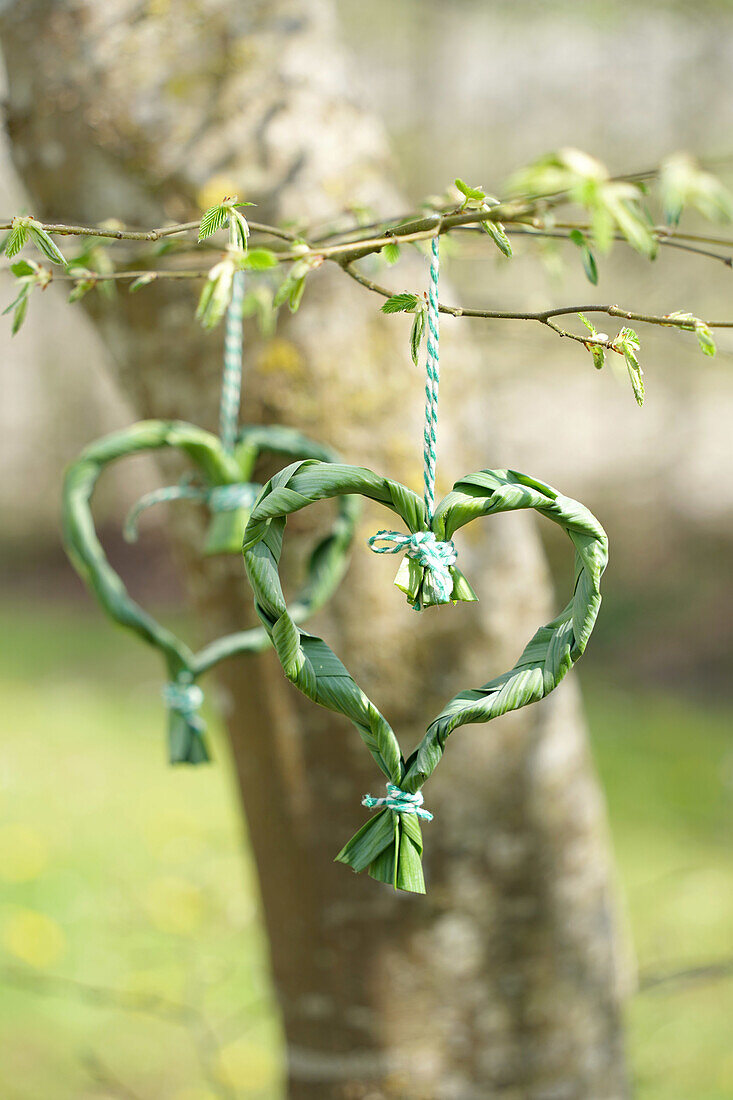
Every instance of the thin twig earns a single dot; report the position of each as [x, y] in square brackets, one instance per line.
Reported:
[115, 234]
[689, 975]
[544, 316]
[159, 1008]
[103, 1076]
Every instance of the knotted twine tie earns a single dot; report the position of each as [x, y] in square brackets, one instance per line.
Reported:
[427, 551]
[183, 699]
[423, 546]
[402, 802]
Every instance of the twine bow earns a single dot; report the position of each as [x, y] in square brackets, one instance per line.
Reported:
[436, 558]
[402, 802]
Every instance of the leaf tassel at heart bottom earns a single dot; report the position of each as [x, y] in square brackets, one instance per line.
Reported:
[389, 848]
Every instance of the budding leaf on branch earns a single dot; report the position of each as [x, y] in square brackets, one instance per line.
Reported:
[29, 275]
[16, 238]
[597, 351]
[589, 263]
[400, 303]
[260, 259]
[391, 252]
[43, 242]
[216, 217]
[613, 206]
[475, 194]
[701, 330]
[24, 228]
[496, 231]
[417, 331]
[627, 344]
[293, 285]
[683, 183]
[142, 280]
[85, 281]
[216, 294]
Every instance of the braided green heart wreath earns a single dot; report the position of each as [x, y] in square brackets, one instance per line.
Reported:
[225, 487]
[390, 845]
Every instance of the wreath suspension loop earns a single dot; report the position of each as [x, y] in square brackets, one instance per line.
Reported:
[231, 382]
[432, 382]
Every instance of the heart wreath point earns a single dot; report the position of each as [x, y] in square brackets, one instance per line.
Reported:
[389, 845]
[222, 473]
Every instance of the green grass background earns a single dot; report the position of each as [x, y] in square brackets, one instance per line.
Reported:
[132, 962]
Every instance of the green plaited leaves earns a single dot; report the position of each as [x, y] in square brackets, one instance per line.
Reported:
[217, 469]
[389, 844]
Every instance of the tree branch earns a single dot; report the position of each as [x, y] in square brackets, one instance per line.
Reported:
[545, 316]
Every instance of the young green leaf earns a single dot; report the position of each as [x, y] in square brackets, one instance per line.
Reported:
[400, 303]
[496, 231]
[216, 217]
[588, 259]
[260, 259]
[296, 294]
[22, 268]
[239, 226]
[292, 287]
[683, 183]
[417, 332]
[17, 237]
[705, 339]
[627, 342]
[216, 294]
[141, 281]
[80, 289]
[700, 328]
[476, 194]
[44, 243]
[19, 315]
[391, 252]
[597, 350]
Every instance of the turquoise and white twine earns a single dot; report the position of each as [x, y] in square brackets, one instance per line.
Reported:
[432, 382]
[427, 550]
[423, 546]
[185, 698]
[401, 802]
[231, 383]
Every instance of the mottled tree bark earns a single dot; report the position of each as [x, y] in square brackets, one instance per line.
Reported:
[503, 980]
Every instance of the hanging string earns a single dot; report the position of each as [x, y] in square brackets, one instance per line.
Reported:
[436, 558]
[231, 383]
[432, 382]
[219, 498]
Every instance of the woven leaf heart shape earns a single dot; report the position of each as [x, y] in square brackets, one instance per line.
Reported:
[389, 845]
[218, 472]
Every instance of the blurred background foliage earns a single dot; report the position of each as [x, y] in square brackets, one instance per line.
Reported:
[132, 962]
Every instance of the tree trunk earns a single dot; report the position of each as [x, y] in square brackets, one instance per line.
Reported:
[503, 980]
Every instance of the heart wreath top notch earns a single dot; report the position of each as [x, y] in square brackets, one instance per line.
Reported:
[389, 844]
[223, 486]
